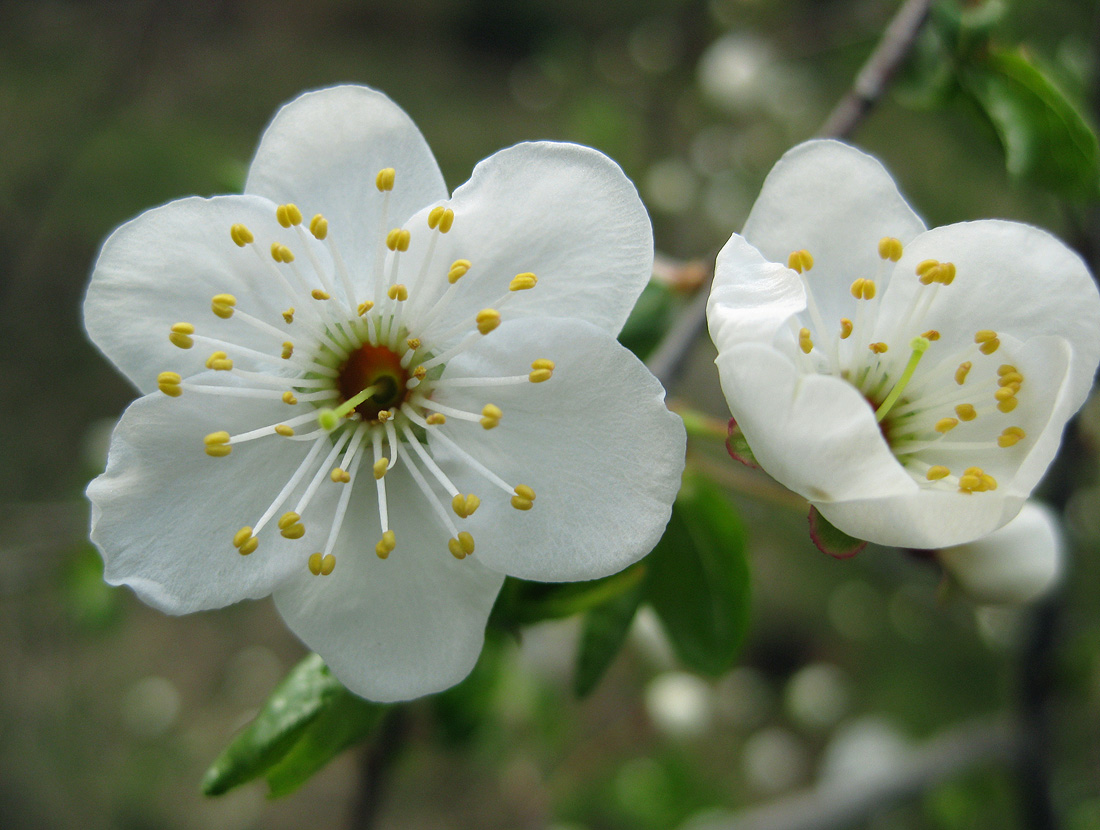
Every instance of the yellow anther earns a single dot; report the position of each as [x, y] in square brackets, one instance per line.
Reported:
[413, 343]
[328, 564]
[288, 315]
[487, 320]
[455, 547]
[436, 418]
[420, 373]
[800, 261]
[222, 305]
[180, 335]
[946, 424]
[962, 372]
[219, 362]
[288, 215]
[988, 483]
[464, 506]
[522, 282]
[288, 519]
[927, 266]
[458, 270]
[217, 445]
[318, 226]
[288, 349]
[384, 415]
[242, 536]
[291, 527]
[1008, 404]
[878, 348]
[805, 342]
[845, 328]
[461, 547]
[935, 473]
[1010, 379]
[990, 346]
[241, 235]
[318, 294]
[1010, 437]
[364, 307]
[398, 239]
[398, 292]
[984, 336]
[970, 482]
[966, 412]
[946, 273]
[281, 253]
[446, 221]
[288, 398]
[340, 476]
[385, 179]
[932, 335]
[890, 248]
[1005, 392]
[215, 356]
[542, 370]
[434, 215]
[385, 545]
[1006, 369]
[169, 384]
[315, 563]
[380, 467]
[863, 289]
[525, 492]
[249, 546]
[284, 430]
[490, 416]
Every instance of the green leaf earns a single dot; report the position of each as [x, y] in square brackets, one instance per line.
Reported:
[308, 720]
[831, 539]
[345, 721]
[524, 603]
[602, 636]
[698, 579]
[1046, 139]
[649, 321]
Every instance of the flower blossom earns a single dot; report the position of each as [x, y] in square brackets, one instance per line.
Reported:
[1014, 565]
[375, 400]
[912, 384]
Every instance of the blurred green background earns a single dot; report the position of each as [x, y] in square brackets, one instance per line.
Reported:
[110, 712]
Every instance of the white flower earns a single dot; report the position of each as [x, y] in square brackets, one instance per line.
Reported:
[912, 384]
[1016, 564]
[367, 362]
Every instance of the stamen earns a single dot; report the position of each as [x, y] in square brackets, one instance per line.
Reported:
[524, 498]
[288, 215]
[352, 460]
[966, 412]
[222, 305]
[936, 472]
[946, 424]
[845, 328]
[292, 483]
[461, 546]
[290, 526]
[169, 384]
[804, 341]
[385, 179]
[217, 444]
[863, 289]
[1010, 437]
[523, 282]
[987, 341]
[490, 416]
[180, 333]
[890, 248]
[386, 544]
[962, 372]
[487, 319]
[800, 261]
[241, 235]
[219, 362]
[441, 436]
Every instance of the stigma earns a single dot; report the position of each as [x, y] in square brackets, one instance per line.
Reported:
[359, 368]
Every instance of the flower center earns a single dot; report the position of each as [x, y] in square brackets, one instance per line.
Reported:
[939, 407]
[370, 386]
[373, 366]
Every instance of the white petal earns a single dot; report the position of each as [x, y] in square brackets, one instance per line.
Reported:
[1010, 278]
[595, 442]
[164, 512]
[1014, 565]
[165, 266]
[815, 434]
[563, 212]
[751, 297]
[836, 202]
[323, 150]
[399, 628]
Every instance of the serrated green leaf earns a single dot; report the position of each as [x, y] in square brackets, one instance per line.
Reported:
[1046, 139]
[698, 580]
[343, 722]
[831, 539]
[296, 702]
[602, 636]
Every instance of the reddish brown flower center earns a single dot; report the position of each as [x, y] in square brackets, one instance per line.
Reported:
[373, 366]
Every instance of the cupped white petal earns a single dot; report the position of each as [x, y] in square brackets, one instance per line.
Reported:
[837, 203]
[815, 434]
[926, 518]
[563, 212]
[398, 628]
[595, 442]
[323, 151]
[1010, 278]
[751, 298]
[1016, 564]
[164, 513]
[165, 266]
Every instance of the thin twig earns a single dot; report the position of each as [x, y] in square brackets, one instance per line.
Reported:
[376, 762]
[875, 75]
